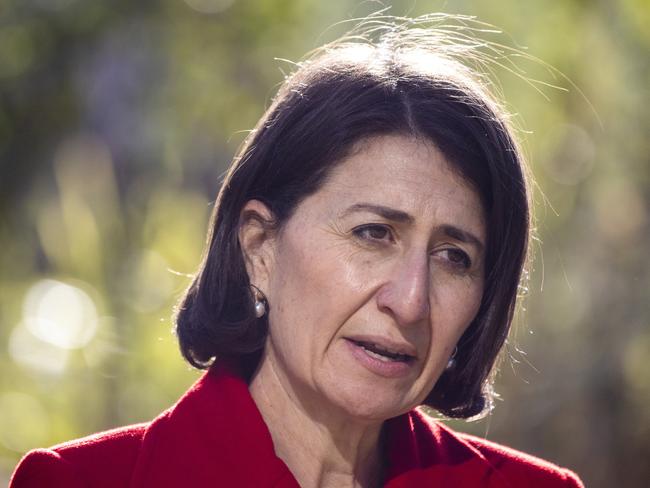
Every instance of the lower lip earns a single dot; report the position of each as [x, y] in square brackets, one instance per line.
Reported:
[387, 369]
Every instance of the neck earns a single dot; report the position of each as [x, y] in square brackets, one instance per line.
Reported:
[321, 446]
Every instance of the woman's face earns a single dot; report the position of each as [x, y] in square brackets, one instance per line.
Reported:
[373, 280]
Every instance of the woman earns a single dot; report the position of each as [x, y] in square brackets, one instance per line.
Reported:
[364, 258]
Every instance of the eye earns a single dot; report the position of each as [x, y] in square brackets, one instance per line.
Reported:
[456, 258]
[373, 232]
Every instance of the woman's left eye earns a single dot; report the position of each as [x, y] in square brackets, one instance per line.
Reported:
[373, 233]
[456, 257]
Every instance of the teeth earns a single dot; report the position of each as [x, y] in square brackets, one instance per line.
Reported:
[375, 355]
[378, 352]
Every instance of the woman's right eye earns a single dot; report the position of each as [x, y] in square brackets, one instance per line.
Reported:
[373, 232]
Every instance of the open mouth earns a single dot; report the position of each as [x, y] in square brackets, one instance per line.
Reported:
[382, 354]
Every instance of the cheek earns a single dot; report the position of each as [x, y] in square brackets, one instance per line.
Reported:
[459, 304]
[471, 296]
[302, 290]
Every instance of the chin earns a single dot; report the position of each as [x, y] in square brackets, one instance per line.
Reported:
[370, 404]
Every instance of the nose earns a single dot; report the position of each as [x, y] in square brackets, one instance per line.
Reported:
[405, 293]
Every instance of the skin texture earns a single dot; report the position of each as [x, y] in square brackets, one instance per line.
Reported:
[388, 251]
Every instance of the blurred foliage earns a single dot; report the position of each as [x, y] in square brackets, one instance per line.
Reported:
[117, 120]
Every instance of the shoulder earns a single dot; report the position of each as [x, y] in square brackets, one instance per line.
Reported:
[103, 459]
[503, 465]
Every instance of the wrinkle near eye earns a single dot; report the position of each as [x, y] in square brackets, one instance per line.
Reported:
[334, 229]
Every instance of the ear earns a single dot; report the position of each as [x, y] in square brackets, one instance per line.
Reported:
[256, 239]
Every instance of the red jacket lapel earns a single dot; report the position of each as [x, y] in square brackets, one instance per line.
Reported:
[213, 436]
[422, 452]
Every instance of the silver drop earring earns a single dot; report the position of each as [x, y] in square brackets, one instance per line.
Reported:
[260, 308]
[260, 302]
[452, 360]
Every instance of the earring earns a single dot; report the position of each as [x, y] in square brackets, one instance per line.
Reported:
[260, 302]
[452, 360]
[260, 308]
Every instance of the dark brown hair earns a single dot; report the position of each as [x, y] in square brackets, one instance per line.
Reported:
[406, 82]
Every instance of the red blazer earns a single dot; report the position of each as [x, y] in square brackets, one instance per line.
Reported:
[215, 436]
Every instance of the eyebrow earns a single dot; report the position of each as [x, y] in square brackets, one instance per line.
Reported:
[404, 217]
[386, 212]
[462, 236]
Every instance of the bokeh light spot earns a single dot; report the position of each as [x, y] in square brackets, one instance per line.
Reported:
[60, 314]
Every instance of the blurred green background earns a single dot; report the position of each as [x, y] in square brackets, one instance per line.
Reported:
[118, 118]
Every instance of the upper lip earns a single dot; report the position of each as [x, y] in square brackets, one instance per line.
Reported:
[391, 345]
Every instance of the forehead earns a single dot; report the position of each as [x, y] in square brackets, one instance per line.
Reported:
[403, 172]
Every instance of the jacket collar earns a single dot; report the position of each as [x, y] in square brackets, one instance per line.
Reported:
[424, 452]
[215, 433]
